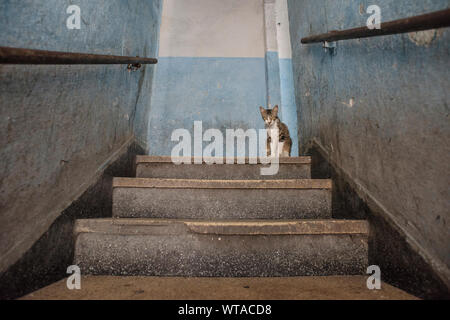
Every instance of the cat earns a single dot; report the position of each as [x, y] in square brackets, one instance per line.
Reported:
[282, 142]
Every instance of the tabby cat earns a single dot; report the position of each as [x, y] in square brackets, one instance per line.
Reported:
[278, 138]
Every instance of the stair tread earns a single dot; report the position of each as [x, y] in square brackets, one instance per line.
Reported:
[221, 184]
[231, 227]
[180, 288]
[188, 248]
[168, 159]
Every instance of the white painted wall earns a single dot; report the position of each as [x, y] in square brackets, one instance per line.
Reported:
[283, 34]
[270, 30]
[212, 28]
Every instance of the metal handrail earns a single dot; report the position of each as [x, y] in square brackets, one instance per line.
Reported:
[10, 55]
[435, 20]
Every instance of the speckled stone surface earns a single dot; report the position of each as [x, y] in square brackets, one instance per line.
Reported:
[162, 167]
[161, 288]
[172, 249]
[179, 203]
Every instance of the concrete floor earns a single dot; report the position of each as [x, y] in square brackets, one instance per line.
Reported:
[158, 288]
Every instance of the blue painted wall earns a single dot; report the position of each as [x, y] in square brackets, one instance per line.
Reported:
[289, 109]
[61, 125]
[273, 80]
[280, 91]
[223, 93]
[380, 107]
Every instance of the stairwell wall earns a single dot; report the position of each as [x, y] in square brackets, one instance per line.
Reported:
[211, 69]
[63, 127]
[379, 111]
[219, 61]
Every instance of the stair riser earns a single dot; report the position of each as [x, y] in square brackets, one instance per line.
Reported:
[222, 203]
[196, 255]
[220, 172]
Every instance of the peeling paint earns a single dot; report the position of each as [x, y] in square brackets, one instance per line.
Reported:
[350, 103]
[423, 38]
[362, 11]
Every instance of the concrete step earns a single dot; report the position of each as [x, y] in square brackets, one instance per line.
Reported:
[164, 168]
[178, 288]
[191, 248]
[221, 199]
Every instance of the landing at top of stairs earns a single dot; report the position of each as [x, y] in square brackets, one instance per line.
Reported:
[167, 159]
[241, 169]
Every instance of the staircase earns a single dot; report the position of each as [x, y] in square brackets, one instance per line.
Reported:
[221, 221]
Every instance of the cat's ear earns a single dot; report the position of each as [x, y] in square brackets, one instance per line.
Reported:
[275, 111]
[263, 112]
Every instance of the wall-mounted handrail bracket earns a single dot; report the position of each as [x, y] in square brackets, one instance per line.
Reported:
[330, 47]
[134, 67]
